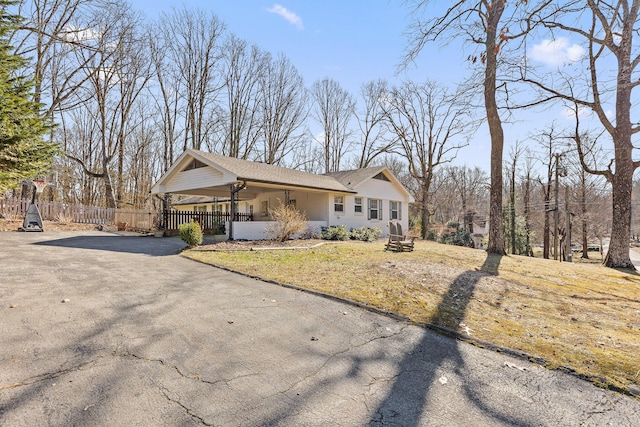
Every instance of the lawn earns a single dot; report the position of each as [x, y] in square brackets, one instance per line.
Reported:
[575, 316]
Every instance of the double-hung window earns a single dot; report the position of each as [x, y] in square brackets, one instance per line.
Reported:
[357, 205]
[395, 210]
[338, 203]
[375, 209]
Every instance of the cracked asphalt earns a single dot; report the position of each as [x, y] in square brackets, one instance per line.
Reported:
[98, 329]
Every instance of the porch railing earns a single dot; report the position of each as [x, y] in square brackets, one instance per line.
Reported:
[207, 220]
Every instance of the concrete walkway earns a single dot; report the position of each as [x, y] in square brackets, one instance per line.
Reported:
[103, 330]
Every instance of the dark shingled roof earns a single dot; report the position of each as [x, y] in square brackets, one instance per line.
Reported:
[262, 172]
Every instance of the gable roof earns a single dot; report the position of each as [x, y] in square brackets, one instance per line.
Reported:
[245, 170]
[256, 174]
[353, 178]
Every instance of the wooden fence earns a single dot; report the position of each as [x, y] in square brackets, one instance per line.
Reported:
[16, 208]
[136, 220]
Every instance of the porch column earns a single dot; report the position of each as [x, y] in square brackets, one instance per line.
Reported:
[235, 189]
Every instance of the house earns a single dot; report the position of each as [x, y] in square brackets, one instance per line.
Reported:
[367, 197]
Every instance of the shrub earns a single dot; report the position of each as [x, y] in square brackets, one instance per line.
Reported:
[432, 234]
[366, 234]
[190, 233]
[459, 237]
[335, 232]
[219, 228]
[288, 223]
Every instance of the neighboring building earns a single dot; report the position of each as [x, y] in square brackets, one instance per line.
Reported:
[367, 197]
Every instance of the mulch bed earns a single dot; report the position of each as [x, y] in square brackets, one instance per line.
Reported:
[252, 245]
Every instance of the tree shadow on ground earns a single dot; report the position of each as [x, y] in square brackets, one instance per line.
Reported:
[431, 358]
[129, 244]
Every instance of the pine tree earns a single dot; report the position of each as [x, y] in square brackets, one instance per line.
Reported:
[24, 153]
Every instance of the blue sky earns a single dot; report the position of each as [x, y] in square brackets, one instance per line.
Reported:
[354, 42]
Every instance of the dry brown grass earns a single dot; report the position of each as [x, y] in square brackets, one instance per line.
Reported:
[583, 317]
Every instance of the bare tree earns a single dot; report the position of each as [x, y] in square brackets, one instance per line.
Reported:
[375, 141]
[430, 126]
[53, 33]
[468, 187]
[608, 30]
[547, 141]
[107, 98]
[243, 71]
[514, 155]
[485, 23]
[283, 110]
[587, 187]
[333, 110]
[527, 179]
[191, 43]
[167, 96]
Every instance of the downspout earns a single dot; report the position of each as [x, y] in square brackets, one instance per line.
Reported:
[235, 189]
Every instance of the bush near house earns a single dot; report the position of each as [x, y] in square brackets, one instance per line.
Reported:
[191, 233]
[366, 234]
[340, 232]
[335, 232]
[288, 223]
[456, 235]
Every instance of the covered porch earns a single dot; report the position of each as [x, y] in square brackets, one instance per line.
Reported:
[243, 193]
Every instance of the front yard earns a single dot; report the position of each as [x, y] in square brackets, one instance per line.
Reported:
[580, 317]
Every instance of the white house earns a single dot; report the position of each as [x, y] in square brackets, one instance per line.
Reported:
[367, 197]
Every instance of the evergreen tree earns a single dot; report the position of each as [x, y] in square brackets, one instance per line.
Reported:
[24, 153]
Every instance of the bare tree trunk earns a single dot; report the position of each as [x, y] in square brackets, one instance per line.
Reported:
[496, 231]
[618, 253]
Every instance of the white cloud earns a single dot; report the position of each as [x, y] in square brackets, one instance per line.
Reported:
[291, 17]
[570, 112]
[80, 35]
[556, 52]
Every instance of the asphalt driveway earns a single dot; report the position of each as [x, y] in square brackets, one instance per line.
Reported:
[98, 329]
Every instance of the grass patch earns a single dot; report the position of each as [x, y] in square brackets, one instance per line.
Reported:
[583, 317]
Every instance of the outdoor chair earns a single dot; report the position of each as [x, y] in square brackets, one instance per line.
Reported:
[405, 242]
[393, 242]
[397, 241]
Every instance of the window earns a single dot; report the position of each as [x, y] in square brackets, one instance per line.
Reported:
[264, 211]
[357, 205]
[338, 203]
[292, 203]
[374, 209]
[201, 208]
[395, 210]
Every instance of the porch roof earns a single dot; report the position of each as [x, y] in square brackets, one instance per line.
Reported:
[256, 172]
[255, 175]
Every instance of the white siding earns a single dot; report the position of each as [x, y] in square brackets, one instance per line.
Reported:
[314, 205]
[374, 189]
[256, 230]
[194, 178]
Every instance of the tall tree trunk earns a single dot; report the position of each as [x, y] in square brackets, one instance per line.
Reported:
[618, 253]
[527, 215]
[583, 208]
[512, 204]
[496, 231]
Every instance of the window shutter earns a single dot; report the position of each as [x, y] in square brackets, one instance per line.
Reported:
[400, 210]
[380, 210]
[368, 208]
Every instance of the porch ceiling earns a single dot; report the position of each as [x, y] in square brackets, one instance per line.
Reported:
[252, 190]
